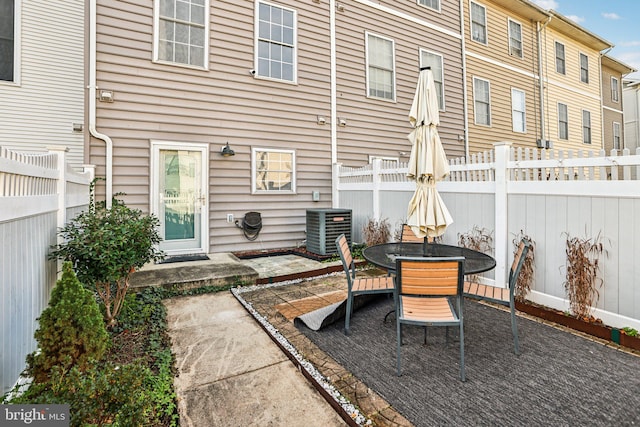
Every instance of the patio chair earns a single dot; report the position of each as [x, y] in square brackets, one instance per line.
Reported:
[359, 286]
[503, 296]
[427, 289]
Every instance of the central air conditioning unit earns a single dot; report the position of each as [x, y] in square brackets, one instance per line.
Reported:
[323, 228]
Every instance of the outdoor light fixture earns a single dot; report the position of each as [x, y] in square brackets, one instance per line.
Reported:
[321, 120]
[226, 151]
[106, 96]
[342, 121]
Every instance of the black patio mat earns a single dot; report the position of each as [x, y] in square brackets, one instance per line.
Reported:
[559, 379]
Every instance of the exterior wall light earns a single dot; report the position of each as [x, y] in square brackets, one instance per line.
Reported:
[226, 151]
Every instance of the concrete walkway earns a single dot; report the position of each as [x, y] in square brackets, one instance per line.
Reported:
[230, 372]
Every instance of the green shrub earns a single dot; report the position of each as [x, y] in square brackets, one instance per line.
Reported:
[71, 330]
[101, 394]
[106, 245]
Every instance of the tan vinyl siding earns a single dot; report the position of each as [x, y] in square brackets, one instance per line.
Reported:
[493, 63]
[356, 141]
[568, 89]
[164, 102]
[41, 109]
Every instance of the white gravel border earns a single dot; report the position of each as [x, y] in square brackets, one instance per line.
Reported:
[347, 406]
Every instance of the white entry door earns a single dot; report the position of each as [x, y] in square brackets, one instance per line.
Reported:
[179, 196]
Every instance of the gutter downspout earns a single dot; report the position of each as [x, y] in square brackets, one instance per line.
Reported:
[602, 100]
[465, 106]
[92, 103]
[334, 109]
[543, 132]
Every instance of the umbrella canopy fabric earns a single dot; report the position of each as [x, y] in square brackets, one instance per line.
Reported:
[427, 214]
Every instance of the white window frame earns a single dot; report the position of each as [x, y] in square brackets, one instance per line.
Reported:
[475, 101]
[437, 8]
[615, 89]
[254, 189]
[520, 110]
[392, 70]
[17, 21]
[587, 134]
[258, 73]
[558, 59]
[484, 24]
[511, 47]
[566, 122]
[584, 78]
[617, 136]
[204, 26]
[438, 74]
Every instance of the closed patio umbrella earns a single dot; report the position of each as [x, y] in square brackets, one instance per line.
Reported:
[426, 215]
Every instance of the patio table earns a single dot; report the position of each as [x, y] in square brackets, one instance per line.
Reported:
[385, 255]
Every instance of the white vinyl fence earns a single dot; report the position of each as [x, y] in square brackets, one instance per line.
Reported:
[547, 195]
[38, 194]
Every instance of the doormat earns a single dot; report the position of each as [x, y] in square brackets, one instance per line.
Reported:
[184, 258]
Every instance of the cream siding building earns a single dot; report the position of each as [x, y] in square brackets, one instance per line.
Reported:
[613, 71]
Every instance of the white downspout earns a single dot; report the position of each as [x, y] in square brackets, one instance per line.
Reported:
[92, 103]
[543, 132]
[465, 106]
[334, 109]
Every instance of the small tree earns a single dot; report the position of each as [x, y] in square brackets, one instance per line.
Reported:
[106, 245]
[71, 331]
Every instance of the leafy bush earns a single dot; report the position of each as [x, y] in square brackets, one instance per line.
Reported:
[71, 331]
[106, 245]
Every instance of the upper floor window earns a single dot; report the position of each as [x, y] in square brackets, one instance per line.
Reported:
[617, 135]
[381, 79]
[586, 127]
[563, 121]
[273, 171]
[181, 31]
[518, 111]
[615, 91]
[8, 31]
[560, 63]
[584, 68]
[433, 60]
[515, 39]
[478, 23]
[276, 53]
[481, 101]
[432, 4]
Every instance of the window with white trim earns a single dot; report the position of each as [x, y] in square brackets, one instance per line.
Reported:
[273, 170]
[431, 4]
[615, 89]
[563, 121]
[478, 23]
[518, 111]
[434, 60]
[8, 34]
[515, 39]
[481, 101]
[586, 127]
[381, 76]
[617, 135]
[181, 34]
[560, 60]
[584, 68]
[276, 42]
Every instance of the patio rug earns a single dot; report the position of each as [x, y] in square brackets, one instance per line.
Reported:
[559, 378]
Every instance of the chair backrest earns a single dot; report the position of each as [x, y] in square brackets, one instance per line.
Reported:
[408, 235]
[441, 276]
[518, 260]
[345, 256]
